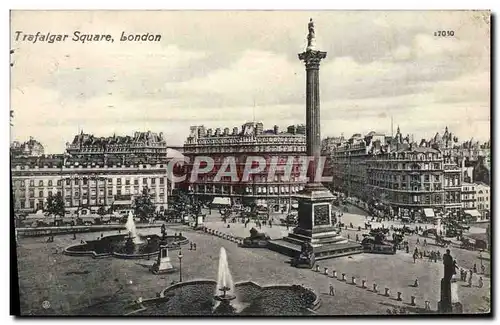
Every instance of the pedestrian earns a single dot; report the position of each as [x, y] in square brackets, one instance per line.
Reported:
[74, 235]
[483, 269]
[194, 245]
[421, 255]
[425, 242]
[470, 280]
[418, 241]
[414, 257]
[480, 285]
[474, 268]
[407, 249]
[332, 291]
[348, 236]
[357, 237]
[190, 246]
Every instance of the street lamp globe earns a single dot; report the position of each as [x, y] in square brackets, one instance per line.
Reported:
[180, 256]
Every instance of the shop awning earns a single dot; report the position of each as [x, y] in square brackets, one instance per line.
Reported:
[429, 213]
[222, 201]
[122, 202]
[472, 213]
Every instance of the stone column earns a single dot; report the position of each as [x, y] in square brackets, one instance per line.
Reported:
[312, 59]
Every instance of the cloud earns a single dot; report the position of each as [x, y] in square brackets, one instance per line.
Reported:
[210, 68]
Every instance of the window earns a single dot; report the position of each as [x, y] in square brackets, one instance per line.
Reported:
[153, 181]
[110, 180]
[85, 181]
[119, 191]
[77, 181]
[40, 183]
[145, 181]
[110, 191]
[40, 194]
[162, 181]
[59, 182]
[32, 183]
[136, 181]
[32, 193]
[23, 204]
[426, 178]
[118, 181]
[127, 182]
[68, 181]
[50, 193]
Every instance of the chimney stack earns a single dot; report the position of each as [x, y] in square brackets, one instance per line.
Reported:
[276, 129]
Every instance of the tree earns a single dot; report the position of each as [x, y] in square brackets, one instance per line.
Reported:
[55, 206]
[143, 205]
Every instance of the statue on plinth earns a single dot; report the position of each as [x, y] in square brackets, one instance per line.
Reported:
[306, 257]
[256, 239]
[311, 36]
[449, 266]
[446, 304]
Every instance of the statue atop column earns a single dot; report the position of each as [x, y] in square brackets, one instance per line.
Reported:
[311, 36]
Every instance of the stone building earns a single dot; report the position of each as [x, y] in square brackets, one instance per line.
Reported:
[407, 178]
[483, 197]
[30, 148]
[142, 146]
[106, 172]
[249, 140]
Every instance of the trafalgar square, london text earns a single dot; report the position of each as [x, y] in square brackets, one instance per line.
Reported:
[78, 36]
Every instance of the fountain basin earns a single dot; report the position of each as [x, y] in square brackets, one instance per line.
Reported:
[115, 246]
[196, 298]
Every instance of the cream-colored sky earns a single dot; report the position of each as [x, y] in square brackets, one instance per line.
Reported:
[210, 67]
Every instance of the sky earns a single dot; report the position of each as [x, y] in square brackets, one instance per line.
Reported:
[224, 68]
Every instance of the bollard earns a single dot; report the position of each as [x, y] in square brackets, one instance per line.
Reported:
[427, 305]
[374, 287]
[412, 301]
[387, 294]
[399, 296]
[334, 273]
[363, 284]
[343, 276]
[353, 280]
[326, 271]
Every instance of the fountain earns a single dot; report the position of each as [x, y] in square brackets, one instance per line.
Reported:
[224, 284]
[224, 297]
[130, 225]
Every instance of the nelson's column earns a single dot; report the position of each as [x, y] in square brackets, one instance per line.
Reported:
[315, 232]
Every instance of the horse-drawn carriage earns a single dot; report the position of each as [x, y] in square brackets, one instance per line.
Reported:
[440, 241]
[375, 243]
[473, 244]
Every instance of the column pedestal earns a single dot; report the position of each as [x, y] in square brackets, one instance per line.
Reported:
[315, 228]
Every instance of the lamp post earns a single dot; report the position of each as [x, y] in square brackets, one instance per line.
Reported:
[180, 256]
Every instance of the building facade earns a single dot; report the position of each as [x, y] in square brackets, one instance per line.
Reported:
[483, 195]
[30, 148]
[88, 178]
[142, 147]
[249, 140]
[407, 177]
[468, 196]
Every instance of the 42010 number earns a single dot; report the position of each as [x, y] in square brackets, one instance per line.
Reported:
[444, 33]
